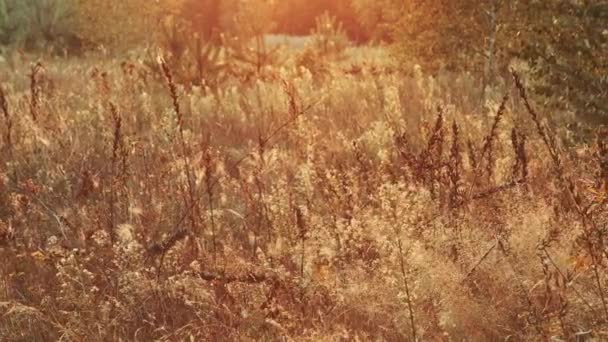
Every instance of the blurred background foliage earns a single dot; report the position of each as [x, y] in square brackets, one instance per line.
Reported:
[562, 43]
[124, 22]
[119, 24]
[34, 24]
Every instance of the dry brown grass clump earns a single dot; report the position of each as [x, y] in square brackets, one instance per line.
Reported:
[292, 207]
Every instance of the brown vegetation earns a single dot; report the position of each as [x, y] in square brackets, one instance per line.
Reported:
[292, 204]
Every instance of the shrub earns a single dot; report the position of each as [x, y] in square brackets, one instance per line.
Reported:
[329, 36]
[36, 23]
[120, 24]
[562, 42]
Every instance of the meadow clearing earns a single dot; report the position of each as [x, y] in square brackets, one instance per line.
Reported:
[299, 193]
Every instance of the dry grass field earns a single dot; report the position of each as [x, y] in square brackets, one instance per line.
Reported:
[315, 199]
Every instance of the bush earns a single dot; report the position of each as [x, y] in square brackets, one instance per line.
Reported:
[561, 42]
[375, 17]
[120, 24]
[36, 23]
[329, 35]
[192, 57]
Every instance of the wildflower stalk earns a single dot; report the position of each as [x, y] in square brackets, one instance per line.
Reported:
[487, 146]
[589, 225]
[116, 146]
[35, 90]
[7, 119]
[185, 156]
[407, 289]
[209, 190]
[302, 234]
